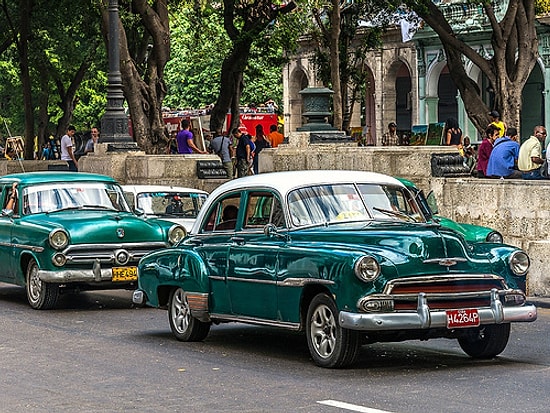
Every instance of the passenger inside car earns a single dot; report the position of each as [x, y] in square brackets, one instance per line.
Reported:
[11, 201]
[229, 217]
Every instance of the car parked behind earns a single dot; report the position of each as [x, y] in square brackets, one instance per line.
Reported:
[346, 257]
[471, 232]
[64, 231]
[177, 204]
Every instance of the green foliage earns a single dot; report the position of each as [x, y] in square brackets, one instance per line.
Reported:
[542, 7]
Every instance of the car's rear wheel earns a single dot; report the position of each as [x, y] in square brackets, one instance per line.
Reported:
[184, 326]
[329, 344]
[41, 295]
[486, 341]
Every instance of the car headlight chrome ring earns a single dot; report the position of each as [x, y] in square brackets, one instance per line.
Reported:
[59, 259]
[176, 233]
[367, 268]
[519, 263]
[59, 239]
[494, 236]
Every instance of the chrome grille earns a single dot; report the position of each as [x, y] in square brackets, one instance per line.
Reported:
[110, 254]
[445, 291]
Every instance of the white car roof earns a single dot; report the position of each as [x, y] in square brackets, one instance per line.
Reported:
[136, 189]
[286, 181]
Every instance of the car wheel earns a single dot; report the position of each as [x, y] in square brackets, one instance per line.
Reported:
[329, 344]
[486, 341]
[41, 295]
[184, 326]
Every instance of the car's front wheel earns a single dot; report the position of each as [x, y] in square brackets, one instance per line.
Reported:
[184, 326]
[41, 295]
[329, 344]
[485, 342]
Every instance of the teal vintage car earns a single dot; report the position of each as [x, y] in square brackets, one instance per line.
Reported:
[345, 256]
[471, 232]
[64, 231]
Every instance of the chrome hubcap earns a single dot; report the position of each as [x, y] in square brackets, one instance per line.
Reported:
[323, 331]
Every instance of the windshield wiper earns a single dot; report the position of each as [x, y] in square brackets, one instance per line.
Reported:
[68, 208]
[398, 214]
[100, 207]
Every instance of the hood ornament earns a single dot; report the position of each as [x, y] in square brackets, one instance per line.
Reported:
[445, 262]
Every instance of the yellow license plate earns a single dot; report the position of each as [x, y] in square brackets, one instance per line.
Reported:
[124, 274]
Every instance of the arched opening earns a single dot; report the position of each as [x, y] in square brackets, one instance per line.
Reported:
[447, 92]
[403, 98]
[532, 110]
[298, 81]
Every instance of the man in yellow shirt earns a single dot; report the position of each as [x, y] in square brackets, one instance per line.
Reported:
[530, 154]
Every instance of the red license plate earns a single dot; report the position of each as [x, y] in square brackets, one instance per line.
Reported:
[462, 318]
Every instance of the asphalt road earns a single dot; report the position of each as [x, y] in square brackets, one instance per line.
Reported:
[97, 353]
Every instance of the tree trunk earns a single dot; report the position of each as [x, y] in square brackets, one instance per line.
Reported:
[230, 88]
[145, 92]
[337, 104]
[23, 50]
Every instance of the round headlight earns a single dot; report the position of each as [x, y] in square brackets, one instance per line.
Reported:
[367, 268]
[519, 263]
[176, 234]
[494, 236]
[59, 239]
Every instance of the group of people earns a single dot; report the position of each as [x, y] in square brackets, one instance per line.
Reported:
[238, 152]
[500, 154]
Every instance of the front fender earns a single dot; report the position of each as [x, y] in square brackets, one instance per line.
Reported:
[161, 271]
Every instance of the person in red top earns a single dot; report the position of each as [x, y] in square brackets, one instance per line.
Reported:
[485, 149]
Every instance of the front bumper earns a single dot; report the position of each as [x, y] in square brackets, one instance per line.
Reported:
[94, 275]
[423, 318]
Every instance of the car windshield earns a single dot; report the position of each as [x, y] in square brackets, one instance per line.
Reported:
[173, 203]
[73, 195]
[339, 203]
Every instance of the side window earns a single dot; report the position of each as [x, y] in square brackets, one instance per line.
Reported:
[263, 208]
[11, 198]
[223, 215]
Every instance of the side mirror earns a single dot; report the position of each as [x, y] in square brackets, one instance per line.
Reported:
[270, 230]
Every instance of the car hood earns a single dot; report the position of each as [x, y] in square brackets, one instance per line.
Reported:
[408, 248]
[86, 227]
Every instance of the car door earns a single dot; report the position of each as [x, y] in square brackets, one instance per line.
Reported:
[214, 238]
[7, 271]
[252, 271]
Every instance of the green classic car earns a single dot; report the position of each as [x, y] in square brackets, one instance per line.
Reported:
[63, 231]
[472, 233]
[346, 256]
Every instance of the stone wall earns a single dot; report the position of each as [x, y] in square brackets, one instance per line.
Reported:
[516, 208]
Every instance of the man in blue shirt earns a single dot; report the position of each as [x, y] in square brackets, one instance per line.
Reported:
[504, 157]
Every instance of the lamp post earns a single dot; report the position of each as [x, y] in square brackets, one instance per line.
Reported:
[114, 124]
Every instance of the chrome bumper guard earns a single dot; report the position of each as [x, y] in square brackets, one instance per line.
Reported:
[423, 318]
[138, 297]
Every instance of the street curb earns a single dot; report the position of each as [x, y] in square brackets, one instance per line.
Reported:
[540, 302]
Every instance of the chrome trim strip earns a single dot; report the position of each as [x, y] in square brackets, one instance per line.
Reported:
[449, 295]
[22, 246]
[289, 282]
[258, 321]
[114, 246]
[423, 318]
[300, 282]
[447, 261]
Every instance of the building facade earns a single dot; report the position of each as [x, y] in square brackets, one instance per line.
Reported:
[408, 82]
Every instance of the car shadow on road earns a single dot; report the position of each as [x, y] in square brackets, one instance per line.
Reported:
[86, 300]
[266, 345]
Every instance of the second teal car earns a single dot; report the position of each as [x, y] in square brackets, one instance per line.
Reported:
[64, 231]
[472, 233]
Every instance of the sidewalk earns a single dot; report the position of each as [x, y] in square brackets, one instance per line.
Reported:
[540, 302]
